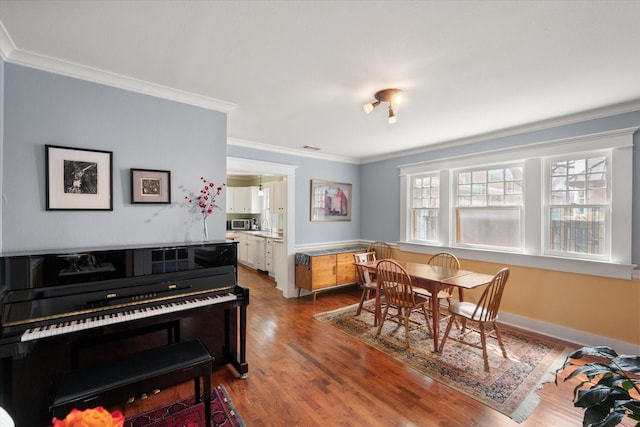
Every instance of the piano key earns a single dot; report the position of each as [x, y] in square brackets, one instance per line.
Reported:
[124, 316]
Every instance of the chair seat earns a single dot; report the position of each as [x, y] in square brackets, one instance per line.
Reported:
[369, 285]
[484, 313]
[426, 293]
[466, 310]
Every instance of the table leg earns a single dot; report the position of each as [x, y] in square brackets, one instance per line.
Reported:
[435, 313]
[377, 309]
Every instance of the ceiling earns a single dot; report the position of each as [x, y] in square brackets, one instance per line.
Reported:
[296, 73]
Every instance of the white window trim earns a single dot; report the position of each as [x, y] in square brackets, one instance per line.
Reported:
[620, 142]
[611, 192]
[454, 203]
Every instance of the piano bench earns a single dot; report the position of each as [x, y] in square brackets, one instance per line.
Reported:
[116, 381]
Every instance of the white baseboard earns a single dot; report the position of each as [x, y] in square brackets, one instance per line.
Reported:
[580, 338]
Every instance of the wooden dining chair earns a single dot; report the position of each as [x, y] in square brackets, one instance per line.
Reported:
[448, 260]
[484, 313]
[381, 249]
[367, 284]
[398, 291]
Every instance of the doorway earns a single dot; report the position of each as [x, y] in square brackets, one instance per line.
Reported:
[238, 165]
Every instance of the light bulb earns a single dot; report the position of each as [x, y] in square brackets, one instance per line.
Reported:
[370, 106]
[392, 115]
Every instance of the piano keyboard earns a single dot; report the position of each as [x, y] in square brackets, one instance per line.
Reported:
[123, 316]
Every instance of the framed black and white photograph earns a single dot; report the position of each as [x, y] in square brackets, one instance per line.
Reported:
[330, 201]
[150, 186]
[78, 179]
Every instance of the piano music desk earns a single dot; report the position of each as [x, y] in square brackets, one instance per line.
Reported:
[139, 373]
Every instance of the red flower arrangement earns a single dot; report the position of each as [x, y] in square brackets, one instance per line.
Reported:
[206, 201]
[95, 417]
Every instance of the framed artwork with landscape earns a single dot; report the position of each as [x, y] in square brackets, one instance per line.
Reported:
[78, 179]
[330, 201]
[150, 186]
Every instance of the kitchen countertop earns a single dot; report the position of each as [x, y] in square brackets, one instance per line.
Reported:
[259, 233]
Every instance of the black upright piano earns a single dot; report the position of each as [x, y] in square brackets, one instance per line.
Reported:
[66, 309]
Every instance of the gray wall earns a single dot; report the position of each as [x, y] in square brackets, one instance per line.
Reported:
[380, 193]
[145, 132]
[142, 132]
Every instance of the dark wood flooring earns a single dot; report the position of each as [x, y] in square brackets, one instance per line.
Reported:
[305, 373]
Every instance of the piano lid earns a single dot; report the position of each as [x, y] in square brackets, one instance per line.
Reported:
[91, 265]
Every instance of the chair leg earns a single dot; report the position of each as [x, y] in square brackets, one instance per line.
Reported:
[426, 318]
[407, 314]
[446, 332]
[382, 319]
[483, 339]
[457, 324]
[362, 298]
[499, 338]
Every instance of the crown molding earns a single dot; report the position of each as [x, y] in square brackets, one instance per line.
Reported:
[597, 113]
[291, 151]
[6, 44]
[9, 53]
[13, 55]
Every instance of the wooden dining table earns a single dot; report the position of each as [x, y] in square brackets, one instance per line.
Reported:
[433, 278]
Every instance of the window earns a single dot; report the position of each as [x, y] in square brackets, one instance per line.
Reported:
[578, 206]
[425, 205]
[489, 206]
[550, 204]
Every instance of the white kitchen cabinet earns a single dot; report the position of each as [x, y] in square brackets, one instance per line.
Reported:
[268, 255]
[243, 248]
[259, 244]
[279, 260]
[243, 200]
[277, 196]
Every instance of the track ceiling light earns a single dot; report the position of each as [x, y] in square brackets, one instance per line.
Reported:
[386, 95]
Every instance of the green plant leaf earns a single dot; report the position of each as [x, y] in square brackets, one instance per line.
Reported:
[590, 370]
[601, 351]
[596, 416]
[634, 407]
[628, 384]
[599, 395]
[627, 363]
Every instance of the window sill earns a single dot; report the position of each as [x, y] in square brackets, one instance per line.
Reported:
[569, 265]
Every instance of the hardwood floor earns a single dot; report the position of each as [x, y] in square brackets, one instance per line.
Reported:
[305, 373]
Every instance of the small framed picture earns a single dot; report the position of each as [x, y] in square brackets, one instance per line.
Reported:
[150, 186]
[330, 201]
[78, 179]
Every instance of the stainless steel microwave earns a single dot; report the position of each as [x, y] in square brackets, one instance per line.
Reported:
[240, 224]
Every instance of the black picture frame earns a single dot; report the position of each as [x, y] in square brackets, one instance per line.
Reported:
[150, 186]
[78, 178]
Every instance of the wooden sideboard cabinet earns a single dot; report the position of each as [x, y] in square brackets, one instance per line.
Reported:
[321, 270]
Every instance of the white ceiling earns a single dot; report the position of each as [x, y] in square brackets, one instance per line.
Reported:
[294, 73]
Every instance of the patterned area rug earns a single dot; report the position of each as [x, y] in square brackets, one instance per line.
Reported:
[184, 413]
[511, 386]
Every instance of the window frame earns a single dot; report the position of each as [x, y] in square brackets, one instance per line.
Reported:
[616, 264]
[455, 212]
[431, 175]
[608, 154]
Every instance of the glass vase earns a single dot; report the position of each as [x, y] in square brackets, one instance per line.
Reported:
[205, 232]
